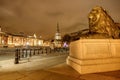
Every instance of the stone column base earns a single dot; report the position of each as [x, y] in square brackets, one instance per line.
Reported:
[95, 65]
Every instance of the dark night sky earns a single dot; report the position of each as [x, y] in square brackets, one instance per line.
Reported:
[41, 16]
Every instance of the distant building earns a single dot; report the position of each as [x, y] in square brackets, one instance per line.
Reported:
[16, 40]
[12, 40]
[58, 39]
[3, 38]
[34, 41]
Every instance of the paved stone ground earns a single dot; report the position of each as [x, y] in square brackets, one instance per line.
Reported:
[52, 67]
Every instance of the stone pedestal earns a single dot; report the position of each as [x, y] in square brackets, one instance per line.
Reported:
[94, 55]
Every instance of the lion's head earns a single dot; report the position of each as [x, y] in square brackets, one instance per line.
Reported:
[101, 22]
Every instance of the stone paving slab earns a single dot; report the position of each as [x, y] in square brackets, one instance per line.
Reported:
[11, 76]
[97, 77]
[46, 75]
[65, 70]
[35, 70]
[112, 74]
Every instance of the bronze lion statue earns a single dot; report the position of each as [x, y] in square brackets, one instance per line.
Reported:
[101, 25]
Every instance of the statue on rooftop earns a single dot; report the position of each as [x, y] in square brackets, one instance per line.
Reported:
[101, 25]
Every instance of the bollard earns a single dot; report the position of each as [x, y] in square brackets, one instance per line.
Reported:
[46, 50]
[42, 50]
[16, 57]
[34, 52]
[30, 52]
[19, 54]
[26, 54]
[38, 50]
[22, 53]
[50, 50]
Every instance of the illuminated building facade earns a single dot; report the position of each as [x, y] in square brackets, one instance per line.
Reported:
[12, 40]
[3, 38]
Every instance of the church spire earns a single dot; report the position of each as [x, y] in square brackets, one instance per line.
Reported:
[58, 39]
[58, 27]
[0, 29]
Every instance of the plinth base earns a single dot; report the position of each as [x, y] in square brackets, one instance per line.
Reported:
[94, 66]
[92, 56]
